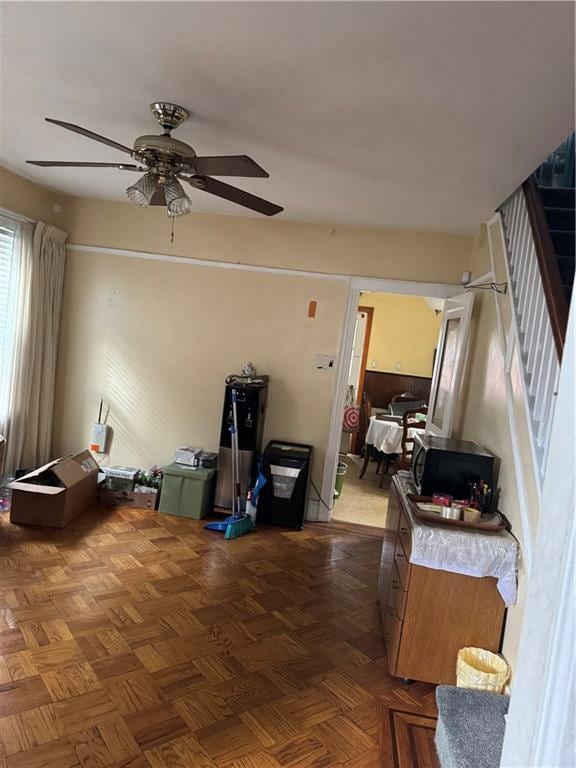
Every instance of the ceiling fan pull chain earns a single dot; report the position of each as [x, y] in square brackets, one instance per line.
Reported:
[172, 232]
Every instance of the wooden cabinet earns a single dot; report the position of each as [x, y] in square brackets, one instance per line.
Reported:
[428, 615]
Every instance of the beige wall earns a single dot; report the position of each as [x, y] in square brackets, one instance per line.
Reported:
[484, 419]
[397, 254]
[22, 196]
[156, 340]
[404, 334]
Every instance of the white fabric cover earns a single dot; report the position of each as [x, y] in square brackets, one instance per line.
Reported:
[466, 551]
[31, 402]
[469, 552]
[386, 436]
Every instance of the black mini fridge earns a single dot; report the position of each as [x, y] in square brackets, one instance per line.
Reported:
[282, 501]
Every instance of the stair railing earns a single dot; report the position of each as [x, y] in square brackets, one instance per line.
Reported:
[556, 302]
[536, 331]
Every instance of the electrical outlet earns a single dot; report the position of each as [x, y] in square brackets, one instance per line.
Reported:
[398, 365]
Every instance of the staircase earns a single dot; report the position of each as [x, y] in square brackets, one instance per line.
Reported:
[559, 211]
[539, 242]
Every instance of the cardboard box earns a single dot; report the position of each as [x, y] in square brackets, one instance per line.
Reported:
[56, 493]
[128, 498]
[120, 478]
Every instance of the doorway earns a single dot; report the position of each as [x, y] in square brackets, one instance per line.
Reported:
[391, 364]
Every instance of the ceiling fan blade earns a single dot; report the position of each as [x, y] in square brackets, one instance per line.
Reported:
[90, 134]
[228, 165]
[233, 194]
[66, 164]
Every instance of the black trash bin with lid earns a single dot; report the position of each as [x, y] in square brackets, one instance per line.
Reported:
[282, 501]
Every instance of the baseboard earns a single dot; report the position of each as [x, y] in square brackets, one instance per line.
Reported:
[335, 526]
[313, 511]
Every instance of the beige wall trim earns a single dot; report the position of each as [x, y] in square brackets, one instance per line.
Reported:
[406, 287]
[384, 285]
[194, 262]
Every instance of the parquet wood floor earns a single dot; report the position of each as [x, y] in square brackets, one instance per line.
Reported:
[137, 640]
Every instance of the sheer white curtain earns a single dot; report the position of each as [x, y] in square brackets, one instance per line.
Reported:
[31, 399]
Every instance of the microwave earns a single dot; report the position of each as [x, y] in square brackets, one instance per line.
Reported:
[440, 465]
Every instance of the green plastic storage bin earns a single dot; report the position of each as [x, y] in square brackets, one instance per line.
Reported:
[187, 492]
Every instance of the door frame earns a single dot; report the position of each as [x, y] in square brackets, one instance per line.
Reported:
[363, 363]
[357, 285]
[370, 312]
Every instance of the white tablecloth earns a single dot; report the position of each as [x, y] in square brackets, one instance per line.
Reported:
[460, 550]
[386, 436]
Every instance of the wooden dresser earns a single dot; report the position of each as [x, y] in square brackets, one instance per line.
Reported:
[428, 615]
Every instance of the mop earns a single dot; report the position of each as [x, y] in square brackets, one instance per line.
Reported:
[237, 524]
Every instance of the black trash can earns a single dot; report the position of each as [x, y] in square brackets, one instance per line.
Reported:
[282, 501]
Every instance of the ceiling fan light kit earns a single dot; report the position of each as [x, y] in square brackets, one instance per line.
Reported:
[142, 191]
[166, 161]
[177, 201]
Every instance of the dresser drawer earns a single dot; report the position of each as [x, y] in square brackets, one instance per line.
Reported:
[405, 534]
[402, 564]
[392, 635]
[398, 594]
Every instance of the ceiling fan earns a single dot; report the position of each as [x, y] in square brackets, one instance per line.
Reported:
[165, 162]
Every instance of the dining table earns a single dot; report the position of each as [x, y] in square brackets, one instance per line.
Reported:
[384, 435]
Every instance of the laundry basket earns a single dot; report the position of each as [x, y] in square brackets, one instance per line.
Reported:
[481, 669]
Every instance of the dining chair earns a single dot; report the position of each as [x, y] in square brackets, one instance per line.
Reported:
[410, 422]
[403, 460]
[368, 452]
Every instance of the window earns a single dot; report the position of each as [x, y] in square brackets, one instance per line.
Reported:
[8, 301]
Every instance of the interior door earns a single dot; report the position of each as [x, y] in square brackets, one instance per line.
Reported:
[354, 374]
[449, 365]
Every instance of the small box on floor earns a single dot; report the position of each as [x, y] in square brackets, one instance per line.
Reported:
[135, 499]
[120, 478]
[186, 491]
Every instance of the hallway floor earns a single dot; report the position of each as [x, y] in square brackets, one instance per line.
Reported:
[362, 501]
[134, 639]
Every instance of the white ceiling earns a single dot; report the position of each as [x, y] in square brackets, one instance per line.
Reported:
[419, 115]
